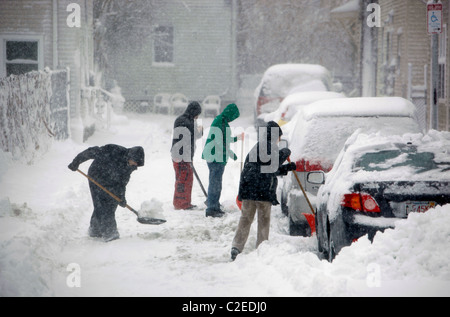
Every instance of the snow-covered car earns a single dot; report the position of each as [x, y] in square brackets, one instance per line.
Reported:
[293, 102]
[317, 134]
[281, 80]
[378, 180]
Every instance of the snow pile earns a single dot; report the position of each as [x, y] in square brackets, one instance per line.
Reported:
[152, 209]
[44, 245]
[410, 260]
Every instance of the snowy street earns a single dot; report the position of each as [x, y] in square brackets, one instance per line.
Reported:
[45, 250]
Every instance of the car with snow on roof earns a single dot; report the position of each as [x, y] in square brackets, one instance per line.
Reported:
[281, 80]
[316, 135]
[293, 102]
[379, 180]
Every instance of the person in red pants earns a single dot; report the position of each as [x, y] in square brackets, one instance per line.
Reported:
[185, 134]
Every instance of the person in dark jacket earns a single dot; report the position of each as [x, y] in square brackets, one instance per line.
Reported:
[111, 168]
[258, 185]
[185, 134]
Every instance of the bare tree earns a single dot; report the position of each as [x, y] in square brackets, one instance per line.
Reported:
[283, 31]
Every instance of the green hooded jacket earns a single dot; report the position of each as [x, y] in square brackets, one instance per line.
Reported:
[217, 147]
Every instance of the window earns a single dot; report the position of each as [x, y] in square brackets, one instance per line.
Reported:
[20, 55]
[441, 89]
[163, 44]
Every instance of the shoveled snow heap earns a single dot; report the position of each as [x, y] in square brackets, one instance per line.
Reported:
[152, 209]
[45, 211]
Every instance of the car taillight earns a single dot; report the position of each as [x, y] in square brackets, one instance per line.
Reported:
[360, 202]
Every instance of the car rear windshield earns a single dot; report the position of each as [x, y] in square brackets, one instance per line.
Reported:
[385, 160]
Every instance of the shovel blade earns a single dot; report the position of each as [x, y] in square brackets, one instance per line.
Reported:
[239, 203]
[150, 221]
[311, 219]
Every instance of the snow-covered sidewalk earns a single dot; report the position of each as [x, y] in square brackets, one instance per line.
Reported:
[45, 250]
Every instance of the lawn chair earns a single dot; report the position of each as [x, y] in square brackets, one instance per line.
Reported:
[211, 106]
[179, 103]
[162, 103]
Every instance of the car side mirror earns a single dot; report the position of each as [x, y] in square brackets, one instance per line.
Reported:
[317, 178]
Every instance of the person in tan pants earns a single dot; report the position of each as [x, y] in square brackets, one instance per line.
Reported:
[249, 208]
[258, 185]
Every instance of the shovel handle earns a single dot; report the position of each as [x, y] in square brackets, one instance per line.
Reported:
[106, 191]
[301, 187]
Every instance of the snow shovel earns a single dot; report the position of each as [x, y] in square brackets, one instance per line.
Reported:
[198, 179]
[239, 202]
[143, 220]
[310, 218]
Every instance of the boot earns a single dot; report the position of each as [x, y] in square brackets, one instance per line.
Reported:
[234, 253]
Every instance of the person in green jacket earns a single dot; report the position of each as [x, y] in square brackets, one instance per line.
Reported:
[216, 153]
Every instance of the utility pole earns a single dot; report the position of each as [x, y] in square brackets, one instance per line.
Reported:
[434, 81]
[434, 20]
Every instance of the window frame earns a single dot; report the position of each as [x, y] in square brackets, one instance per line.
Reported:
[4, 38]
[156, 36]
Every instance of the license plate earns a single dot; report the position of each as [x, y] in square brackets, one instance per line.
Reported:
[419, 206]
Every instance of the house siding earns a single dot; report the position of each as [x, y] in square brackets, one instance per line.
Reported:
[33, 18]
[406, 21]
[74, 45]
[202, 54]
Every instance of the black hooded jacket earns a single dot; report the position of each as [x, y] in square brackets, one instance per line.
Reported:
[187, 120]
[110, 166]
[257, 184]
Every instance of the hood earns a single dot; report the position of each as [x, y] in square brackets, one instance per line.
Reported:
[136, 154]
[273, 125]
[193, 109]
[231, 112]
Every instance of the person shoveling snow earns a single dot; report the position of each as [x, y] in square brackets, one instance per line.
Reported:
[112, 168]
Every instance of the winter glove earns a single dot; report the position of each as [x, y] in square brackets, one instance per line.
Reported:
[284, 169]
[72, 166]
[292, 167]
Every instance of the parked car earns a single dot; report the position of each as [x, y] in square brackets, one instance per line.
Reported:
[293, 102]
[378, 180]
[281, 80]
[317, 134]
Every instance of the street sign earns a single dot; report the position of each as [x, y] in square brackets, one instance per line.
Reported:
[434, 18]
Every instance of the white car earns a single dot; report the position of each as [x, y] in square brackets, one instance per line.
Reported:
[292, 103]
[317, 134]
[281, 80]
[378, 180]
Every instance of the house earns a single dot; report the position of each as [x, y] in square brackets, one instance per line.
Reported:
[396, 54]
[188, 47]
[50, 34]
